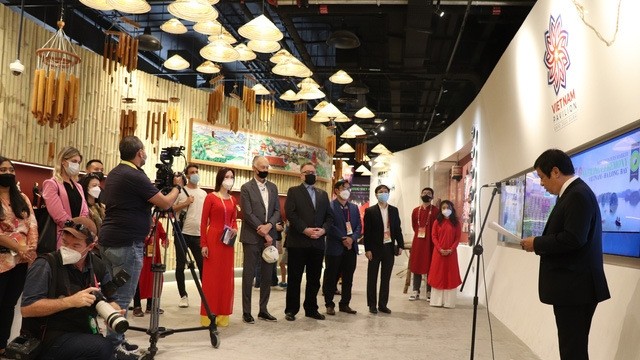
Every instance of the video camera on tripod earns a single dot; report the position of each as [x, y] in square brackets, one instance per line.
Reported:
[165, 174]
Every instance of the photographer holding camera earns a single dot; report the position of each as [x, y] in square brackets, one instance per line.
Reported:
[59, 299]
[129, 196]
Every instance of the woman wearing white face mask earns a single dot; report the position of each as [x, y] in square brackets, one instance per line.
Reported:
[218, 215]
[444, 274]
[91, 185]
[62, 194]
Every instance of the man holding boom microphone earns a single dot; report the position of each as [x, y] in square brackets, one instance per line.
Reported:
[571, 266]
[60, 293]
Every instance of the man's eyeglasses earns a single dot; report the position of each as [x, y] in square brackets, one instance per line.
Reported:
[83, 229]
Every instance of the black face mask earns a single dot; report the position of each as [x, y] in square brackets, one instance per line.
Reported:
[310, 179]
[263, 174]
[7, 180]
[426, 198]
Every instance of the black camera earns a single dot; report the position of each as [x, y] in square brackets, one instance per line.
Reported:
[23, 348]
[164, 174]
[119, 279]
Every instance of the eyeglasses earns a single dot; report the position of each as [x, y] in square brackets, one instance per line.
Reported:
[83, 229]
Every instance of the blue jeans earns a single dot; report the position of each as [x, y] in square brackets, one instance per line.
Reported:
[129, 259]
[79, 346]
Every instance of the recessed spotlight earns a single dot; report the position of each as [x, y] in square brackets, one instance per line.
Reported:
[382, 128]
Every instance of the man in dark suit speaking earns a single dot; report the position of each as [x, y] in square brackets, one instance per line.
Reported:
[310, 217]
[260, 212]
[571, 267]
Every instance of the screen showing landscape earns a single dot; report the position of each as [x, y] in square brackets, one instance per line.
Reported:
[612, 170]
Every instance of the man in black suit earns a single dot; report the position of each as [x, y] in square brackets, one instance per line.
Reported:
[261, 213]
[571, 266]
[310, 217]
[382, 240]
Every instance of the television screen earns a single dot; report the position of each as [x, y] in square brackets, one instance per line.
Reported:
[537, 206]
[511, 206]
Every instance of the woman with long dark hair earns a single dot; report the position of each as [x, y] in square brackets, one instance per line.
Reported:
[91, 186]
[444, 273]
[18, 241]
[218, 214]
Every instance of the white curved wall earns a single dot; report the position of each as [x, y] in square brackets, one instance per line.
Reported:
[514, 117]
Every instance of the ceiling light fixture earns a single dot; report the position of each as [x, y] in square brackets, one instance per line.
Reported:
[263, 46]
[260, 89]
[130, 6]
[208, 67]
[193, 10]
[308, 81]
[345, 148]
[380, 149]
[291, 66]
[261, 28]
[364, 113]
[341, 77]
[342, 118]
[245, 53]
[176, 62]
[366, 173]
[361, 168]
[173, 26]
[343, 39]
[224, 36]
[208, 27]
[320, 105]
[148, 42]
[309, 92]
[289, 95]
[101, 5]
[280, 56]
[219, 51]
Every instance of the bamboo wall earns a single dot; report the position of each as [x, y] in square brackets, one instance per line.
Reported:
[96, 132]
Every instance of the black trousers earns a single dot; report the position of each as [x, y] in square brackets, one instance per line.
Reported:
[574, 323]
[301, 259]
[381, 260]
[344, 265]
[11, 285]
[193, 243]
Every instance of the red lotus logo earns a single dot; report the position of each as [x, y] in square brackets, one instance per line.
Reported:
[556, 55]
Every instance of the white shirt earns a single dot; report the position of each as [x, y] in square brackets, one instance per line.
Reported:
[566, 185]
[264, 192]
[192, 221]
[385, 216]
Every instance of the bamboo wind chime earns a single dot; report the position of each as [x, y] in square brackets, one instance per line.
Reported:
[128, 122]
[56, 86]
[300, 118]
[249, 95]
[331, 145]
[173, 124]
[156, 122]
[122, 52]
[361, 151]
[267, 110]
[216, 99]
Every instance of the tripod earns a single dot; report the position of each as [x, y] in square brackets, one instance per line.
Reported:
[477, 252]
[155, 331]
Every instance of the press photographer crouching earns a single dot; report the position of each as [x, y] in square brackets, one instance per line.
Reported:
[62, 298]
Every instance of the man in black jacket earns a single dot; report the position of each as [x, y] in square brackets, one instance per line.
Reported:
[310, 217]
[382, 240]
[571, 266]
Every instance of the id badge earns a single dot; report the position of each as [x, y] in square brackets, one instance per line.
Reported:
[149, 252]
[387, 237]
[349, 229]
[422, 232]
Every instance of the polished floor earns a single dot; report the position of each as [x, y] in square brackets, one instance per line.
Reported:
[414, 330]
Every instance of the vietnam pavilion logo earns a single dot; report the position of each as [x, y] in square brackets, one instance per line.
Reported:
[557, 61]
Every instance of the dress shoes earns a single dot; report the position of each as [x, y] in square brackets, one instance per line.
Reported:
[373, 310]
[248, 318]
[316, 315]
[331, 310]
[385, 310]
[290, 316]
[347, 309]
[266, 316]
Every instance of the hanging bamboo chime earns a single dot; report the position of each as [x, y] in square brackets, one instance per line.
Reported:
[361, 151]
[267, 109]
[123, 51]
[300, 118]
[216, 99]
[331, 145]
[249, 95]
[56, 86]
[128, 122]
[173, 124]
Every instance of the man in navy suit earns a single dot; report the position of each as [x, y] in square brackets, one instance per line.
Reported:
[382, 240]
[310, 217]
[342, 248]
[571, 266]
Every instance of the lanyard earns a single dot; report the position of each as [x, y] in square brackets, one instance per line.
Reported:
[224, 207]
[428, 215]
[345, 209]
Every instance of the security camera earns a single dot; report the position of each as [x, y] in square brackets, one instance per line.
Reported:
[16, 68]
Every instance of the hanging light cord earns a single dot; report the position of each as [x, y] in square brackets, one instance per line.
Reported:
[20, 31]
[581, 13]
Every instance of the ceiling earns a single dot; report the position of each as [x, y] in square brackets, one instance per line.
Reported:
[421, 70]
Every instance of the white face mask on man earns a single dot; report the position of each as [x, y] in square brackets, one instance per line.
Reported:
[70, 256]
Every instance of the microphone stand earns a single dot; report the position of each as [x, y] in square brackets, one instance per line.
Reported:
[477, 252]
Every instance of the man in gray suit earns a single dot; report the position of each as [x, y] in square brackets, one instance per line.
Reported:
[261, 212]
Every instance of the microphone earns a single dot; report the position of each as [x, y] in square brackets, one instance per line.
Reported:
[497, 184]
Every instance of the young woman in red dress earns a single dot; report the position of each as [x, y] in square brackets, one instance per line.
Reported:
[219, 212]
[444, 274]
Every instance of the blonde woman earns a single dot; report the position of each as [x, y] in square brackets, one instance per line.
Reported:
[62, 194]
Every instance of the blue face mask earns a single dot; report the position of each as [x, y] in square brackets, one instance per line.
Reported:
[383, 197]
[194, 178]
